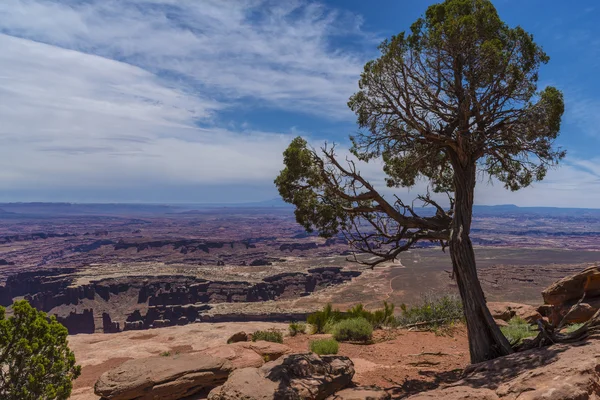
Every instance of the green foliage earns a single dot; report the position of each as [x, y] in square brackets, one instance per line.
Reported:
[573, 327]
[324, 320]
[352, 329]
[298, 183]
[517, 330]
[433, 311]
[377, 318]
[320, 319]
[462, 41]
[268, 336]
[324, 346]
[296, 328]
[35, 359]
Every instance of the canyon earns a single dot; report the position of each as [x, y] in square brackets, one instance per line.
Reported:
[112, 268]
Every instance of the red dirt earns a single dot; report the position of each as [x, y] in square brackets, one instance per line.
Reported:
[401, 361]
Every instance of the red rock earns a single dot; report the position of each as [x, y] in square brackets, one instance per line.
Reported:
[165, 378]
[558, 372]
[573, 286]
[505, 311]
[296, 376]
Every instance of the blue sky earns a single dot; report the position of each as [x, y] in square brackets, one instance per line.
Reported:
[194, 101]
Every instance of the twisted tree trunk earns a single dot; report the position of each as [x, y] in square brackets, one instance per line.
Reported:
[486, 341]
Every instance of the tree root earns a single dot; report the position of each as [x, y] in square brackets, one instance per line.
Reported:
[549, 335]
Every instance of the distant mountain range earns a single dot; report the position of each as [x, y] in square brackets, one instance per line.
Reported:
[16, 210]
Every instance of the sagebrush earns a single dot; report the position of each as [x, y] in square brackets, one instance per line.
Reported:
[324, 346]
[433, 311]
[268, 336]
[353, 330]
[296, 328]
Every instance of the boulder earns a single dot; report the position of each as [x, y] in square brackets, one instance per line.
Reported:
[361, 393]
[558, 372]
[166, 378]
[565, 293]
[238, 337]
[573, 286]
[267, 350]
[240, 357]
[296, 376]
[505, 311]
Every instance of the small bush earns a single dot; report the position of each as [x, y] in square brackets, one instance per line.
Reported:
[323, 321]
[268, 336]
[377, 318]
[433, 311]
[296, 328]
[324, 346]
[320, 319]
[353, 329]
[517, 330]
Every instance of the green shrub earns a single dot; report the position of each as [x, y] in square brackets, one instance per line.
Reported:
[353, 329]
[323, 321]
[377, 318]
[35, 361]
[268, 336]
[517, 330]
[318, 320]
[324, 346]
[296, 328]
[433, 311]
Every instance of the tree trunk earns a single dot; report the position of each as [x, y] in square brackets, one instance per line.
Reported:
[486, 341]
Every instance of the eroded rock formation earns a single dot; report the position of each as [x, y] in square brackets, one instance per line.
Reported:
[164, 300]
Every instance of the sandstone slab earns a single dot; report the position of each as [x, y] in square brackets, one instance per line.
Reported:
[166, 378]
[558, 372]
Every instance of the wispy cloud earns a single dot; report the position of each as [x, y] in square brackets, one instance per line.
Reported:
[275, 52]
[73, 119]
[130, 96]
[119, 94]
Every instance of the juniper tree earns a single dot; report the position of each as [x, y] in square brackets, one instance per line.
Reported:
[35, 360]
[454, 97]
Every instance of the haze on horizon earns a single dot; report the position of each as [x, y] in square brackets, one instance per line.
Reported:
[161, 101]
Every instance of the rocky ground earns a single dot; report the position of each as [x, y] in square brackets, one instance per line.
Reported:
[402, 362]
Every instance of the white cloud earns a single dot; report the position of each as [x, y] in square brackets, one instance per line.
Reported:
[71, 119]
[120, 94]
[276, 52]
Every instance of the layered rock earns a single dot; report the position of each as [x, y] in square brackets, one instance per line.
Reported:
[562, 297]
[296, 376]
[167, 378]
[164, 300]
[180, 376]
